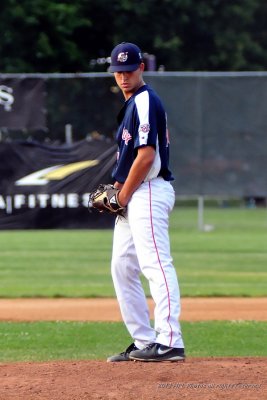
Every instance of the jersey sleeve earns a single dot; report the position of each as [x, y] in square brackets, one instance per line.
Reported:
[146, 127]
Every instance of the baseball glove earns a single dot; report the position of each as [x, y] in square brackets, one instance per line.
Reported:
[105, 198]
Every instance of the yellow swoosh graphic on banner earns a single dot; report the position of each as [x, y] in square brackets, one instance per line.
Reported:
[65, 170]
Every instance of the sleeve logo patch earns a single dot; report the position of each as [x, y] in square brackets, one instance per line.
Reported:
[143, 133]
[145, 128]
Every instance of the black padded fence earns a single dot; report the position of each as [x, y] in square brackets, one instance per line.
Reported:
[217, 123]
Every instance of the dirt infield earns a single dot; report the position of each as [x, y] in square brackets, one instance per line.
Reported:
[193, 309]
[203, 379]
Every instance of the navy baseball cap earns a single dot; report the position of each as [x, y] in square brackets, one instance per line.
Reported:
[125, 57]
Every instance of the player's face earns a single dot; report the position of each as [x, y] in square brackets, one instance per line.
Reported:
[130, 82]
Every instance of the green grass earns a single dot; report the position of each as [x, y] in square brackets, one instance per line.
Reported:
[46, 341]
[230, 260]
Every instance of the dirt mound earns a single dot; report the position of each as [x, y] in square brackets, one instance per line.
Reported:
[204, 379]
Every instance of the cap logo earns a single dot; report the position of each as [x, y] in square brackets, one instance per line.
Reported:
[122, 57]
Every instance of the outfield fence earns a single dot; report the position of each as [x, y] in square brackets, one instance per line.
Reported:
[217, 124]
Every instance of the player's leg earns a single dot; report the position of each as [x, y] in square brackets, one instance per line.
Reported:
[148, 217]
[126, 278]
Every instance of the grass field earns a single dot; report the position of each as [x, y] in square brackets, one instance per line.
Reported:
[228, 260]
[46, 341]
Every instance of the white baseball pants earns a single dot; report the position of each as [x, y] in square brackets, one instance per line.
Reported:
[141, 245]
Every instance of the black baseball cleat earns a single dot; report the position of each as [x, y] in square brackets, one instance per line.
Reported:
[158, 352]
[124, 356]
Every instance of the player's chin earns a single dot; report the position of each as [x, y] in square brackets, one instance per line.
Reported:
[126, 88]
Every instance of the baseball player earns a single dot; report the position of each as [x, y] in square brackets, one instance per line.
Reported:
[141, 240]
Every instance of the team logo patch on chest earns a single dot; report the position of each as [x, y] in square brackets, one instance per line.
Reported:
[126, 136]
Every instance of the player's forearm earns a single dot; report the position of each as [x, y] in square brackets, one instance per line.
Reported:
[137, 174]
[134, 180]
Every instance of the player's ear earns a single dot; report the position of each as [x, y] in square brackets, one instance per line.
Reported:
[142, 66]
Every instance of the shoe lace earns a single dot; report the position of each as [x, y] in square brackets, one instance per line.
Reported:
[150, 345]
[129, 349]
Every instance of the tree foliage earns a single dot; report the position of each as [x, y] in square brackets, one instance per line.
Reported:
[66, 36]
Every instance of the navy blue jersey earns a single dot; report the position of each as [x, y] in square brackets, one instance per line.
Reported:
[142, 122]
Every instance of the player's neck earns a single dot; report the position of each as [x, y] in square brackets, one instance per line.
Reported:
[128, 94]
